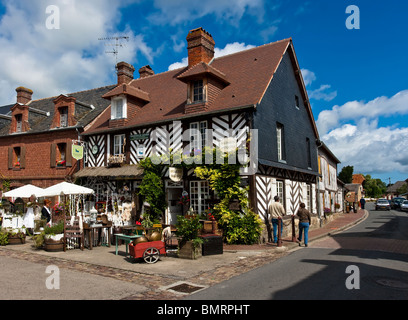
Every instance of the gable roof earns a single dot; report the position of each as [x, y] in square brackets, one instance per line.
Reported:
[89, 104]
[246, 74]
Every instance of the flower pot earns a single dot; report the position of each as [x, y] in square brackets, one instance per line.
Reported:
[51, 245]
[16, 239]
[188, 251]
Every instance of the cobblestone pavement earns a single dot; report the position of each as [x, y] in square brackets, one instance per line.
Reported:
[237, 260]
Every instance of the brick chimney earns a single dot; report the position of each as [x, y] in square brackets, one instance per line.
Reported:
[24, 95]
[200, 46]
[145, 71]
[125, 72]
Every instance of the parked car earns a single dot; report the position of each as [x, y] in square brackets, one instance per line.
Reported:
[396, 202]
[382, 204]
[404, 205]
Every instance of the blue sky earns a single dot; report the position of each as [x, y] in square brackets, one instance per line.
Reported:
[356, 79]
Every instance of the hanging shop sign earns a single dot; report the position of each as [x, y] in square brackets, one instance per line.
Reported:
[142, 136]
[175, 174]
[77, 152]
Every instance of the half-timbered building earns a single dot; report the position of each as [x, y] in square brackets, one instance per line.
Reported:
[259, 90]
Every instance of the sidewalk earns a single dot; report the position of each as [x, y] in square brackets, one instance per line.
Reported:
[170, 270]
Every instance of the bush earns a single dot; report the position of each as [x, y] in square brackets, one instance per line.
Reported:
[3, 238]
[55, 229]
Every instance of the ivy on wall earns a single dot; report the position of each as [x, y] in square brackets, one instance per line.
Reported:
[239, 227]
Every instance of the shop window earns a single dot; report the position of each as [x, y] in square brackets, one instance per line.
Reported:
[199, 195]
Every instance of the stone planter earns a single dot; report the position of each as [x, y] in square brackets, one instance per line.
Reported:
[188, 251]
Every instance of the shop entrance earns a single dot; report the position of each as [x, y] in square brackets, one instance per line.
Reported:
[173, 194]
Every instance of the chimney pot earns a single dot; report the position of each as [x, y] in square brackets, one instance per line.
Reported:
[24, 95]
[145, 71]
[125, 72]
[200, 46]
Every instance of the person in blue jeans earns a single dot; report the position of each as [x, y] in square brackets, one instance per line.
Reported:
[305, 220]
[276, 210]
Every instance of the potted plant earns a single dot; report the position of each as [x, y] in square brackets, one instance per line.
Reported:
[190, 245]
[17, 236]
[54, 237]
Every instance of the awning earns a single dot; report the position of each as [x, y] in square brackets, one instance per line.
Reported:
[124, 171]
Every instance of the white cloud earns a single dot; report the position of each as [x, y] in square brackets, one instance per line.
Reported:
[322, 93]
[353, 133]
[228, 49]
[177, 11]
[308, 76]
[53, 61]
[381, 106]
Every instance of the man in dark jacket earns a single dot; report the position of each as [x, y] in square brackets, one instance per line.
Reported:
[305, 220]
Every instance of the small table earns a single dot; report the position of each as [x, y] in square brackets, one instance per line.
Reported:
[90, 230]
[127, 239]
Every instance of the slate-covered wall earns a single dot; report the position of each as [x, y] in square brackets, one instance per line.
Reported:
[278, 106]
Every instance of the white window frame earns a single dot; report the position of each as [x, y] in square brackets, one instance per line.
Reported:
[279, 131]
[19, 123]
[63, 117]
[114, 108]
[280, 191]
[196, 129]
[199, 195]
[118, 144]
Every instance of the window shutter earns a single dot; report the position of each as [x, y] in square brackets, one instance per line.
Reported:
[68, 154]
[53, 158]
[23, 158]
[10, 158]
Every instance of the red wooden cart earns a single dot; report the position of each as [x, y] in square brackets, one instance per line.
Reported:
[149, 251]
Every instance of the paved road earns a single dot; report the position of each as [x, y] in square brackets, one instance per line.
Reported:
[376, 250]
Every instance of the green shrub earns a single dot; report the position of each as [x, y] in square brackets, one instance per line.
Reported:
[55, 229]
[3, 238]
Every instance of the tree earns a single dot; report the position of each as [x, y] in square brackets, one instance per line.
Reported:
[346, 174]
[374, 188]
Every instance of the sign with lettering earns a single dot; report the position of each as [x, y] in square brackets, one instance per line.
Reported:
[142, 136]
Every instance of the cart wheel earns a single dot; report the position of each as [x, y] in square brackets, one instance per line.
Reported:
[151, 255]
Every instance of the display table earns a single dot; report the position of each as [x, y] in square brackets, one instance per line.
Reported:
[126, 238]
[90, 232]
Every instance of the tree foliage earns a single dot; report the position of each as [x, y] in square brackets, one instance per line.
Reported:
[374, 188]
[346, 174]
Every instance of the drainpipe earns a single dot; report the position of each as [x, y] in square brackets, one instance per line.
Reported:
[319, 145]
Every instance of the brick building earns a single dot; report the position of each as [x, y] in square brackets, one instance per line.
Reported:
[36, 136]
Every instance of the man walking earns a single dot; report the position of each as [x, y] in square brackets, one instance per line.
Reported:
[276, 211]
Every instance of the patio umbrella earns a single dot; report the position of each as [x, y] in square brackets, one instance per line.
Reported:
[24, 192]
[65, 188]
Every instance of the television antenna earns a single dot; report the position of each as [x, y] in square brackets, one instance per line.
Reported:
[116, 45]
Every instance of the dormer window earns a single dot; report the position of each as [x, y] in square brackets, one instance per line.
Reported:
[63, 117]
[19, 123]
[118, 108]
[198, 91]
